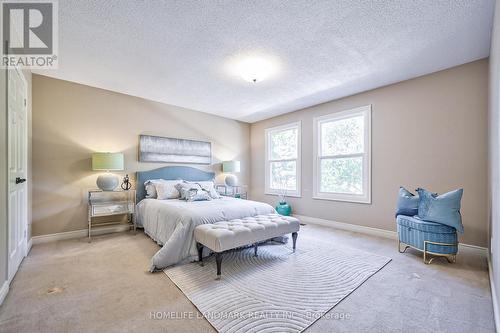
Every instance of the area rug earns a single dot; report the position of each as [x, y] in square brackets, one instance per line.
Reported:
[278, 291]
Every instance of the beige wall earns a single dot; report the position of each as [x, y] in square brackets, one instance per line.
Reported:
[427, 132]
[70, 121]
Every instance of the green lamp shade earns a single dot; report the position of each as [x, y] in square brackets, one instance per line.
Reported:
[107, 161]
[231, 166]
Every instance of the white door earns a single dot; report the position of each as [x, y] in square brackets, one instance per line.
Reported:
[17, 163]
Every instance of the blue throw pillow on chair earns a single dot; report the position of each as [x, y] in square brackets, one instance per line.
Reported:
[444, 208]
[407, 203]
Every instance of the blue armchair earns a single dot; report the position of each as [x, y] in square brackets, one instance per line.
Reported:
[429, 222]
[431, 238]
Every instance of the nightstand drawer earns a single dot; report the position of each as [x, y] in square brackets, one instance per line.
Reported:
[109, 203]
[111, 209]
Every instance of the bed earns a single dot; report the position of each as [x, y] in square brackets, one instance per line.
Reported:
[171, 223]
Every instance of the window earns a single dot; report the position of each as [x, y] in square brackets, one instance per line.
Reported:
[283, 159]
[342, 159]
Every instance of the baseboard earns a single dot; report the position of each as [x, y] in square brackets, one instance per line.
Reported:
[29, 246]
[4, 291]
[376, 232]
[77, 234]
[348, 226]
[496, 314]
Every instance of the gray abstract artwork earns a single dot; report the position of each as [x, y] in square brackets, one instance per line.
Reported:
[170, 150]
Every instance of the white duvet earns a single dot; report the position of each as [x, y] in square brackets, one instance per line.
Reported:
[171, 223]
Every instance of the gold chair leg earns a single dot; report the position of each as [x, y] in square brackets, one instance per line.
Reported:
[399, 247]
[451, 258]
[428, 262]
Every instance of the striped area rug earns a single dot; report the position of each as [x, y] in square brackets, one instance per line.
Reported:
[278, 291]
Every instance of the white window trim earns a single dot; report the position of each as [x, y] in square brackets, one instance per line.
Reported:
[268, 131]
[367, 167]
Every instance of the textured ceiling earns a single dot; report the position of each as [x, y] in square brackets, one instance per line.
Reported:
[178, 52]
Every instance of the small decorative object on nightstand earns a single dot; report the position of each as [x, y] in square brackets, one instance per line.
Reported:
[109, 203]
[126, 185]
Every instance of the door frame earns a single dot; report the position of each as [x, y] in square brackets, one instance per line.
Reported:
[9, 184]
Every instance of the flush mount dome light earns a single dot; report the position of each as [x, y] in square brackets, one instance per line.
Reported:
[254, 68]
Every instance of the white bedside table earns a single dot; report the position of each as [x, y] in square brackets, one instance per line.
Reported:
[109, 203]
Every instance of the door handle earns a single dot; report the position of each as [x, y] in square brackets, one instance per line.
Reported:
[20, 180]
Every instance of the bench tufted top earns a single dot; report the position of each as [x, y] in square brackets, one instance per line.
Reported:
[227, 235]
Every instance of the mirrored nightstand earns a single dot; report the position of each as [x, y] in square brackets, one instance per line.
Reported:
[109, 203]
[239, 191]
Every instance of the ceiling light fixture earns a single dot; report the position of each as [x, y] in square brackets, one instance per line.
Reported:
[254, 68]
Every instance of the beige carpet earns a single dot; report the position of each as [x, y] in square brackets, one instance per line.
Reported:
[105, 287]
[278, 291]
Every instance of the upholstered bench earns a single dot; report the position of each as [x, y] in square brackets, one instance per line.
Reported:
[429, 237]
[228, 235]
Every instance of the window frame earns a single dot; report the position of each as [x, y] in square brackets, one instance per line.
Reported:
[365, 198]
[268, 160]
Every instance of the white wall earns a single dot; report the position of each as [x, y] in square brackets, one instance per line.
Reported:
[494, 163]
[3, 176]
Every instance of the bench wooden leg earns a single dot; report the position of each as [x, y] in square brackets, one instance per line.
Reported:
[200, 253]
[294, 238]
[218, 260]
[255, 250]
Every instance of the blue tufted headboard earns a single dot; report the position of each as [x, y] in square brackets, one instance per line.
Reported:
[169, 173]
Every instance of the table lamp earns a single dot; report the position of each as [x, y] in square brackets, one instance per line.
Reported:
[107, 162]
[231, 167]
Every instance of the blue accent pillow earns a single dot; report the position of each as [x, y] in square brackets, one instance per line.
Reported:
[444, 208]
[407, 203]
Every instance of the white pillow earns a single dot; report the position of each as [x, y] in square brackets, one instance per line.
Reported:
[167, 190]
[163, 189]
[150, 191]
[150, 188]
[209, 186]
